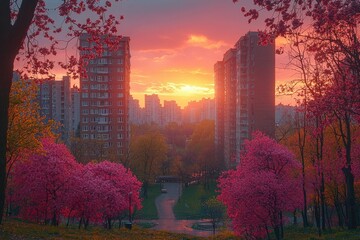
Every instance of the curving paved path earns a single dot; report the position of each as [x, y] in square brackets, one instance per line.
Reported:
[164, 204]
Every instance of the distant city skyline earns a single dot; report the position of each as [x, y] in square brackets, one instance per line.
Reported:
[174, 45]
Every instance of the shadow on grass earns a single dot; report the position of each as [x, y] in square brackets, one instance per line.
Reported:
[189, 204]
[149, 210]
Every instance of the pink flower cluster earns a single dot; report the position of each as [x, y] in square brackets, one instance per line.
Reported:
[266, 183]
[52, 185]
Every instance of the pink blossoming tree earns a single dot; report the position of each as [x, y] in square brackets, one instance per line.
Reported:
[265, 184]
[51, 185]
[32, 33]
[42, 183]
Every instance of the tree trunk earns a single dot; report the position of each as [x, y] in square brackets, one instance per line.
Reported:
[351, 208]
[53, 220]
[6, 80]
[109, 223]
[267, 232]
[277, 233]
[328, 218]
[294, 218]
[322, 202]
[86, 223]
[281, 225]
[339, 213]
[81, 219]
[317, 218]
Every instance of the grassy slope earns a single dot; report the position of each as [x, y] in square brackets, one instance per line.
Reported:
[18, 230]
[149, 210]
[311, 233]
[189, 204]
[13, 229]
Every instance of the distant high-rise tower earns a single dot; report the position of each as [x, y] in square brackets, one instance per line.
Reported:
[244, 95]
[75, 110]
[197, 111]
[55, 103]
[135, 112]
[104, 98]
[171, 112]
[152, 109]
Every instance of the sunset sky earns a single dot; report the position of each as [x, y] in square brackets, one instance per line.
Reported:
[175, 44]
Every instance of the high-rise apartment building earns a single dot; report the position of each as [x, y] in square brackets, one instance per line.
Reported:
[229, 61]
[104, 98]
[75, 110]
[55, 104]
[245, 95]
[255, 108]
[197, 111]
[171, 112]
[136, 114]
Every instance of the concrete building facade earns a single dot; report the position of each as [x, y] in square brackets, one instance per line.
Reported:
[104, 98]
[255, 94]
[171, 112]
[55, 104]
[152, 109]
[136, 113]
[219, 109]
[229, 61]
[244, 95]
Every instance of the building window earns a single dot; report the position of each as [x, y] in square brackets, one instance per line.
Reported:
[100, 70]
[102, 61]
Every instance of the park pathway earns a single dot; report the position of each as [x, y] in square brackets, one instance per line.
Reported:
[167, 221]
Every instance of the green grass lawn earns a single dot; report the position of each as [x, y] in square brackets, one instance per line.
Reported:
[189, 204]
[149, 210]
[19, 230]
[300, 233]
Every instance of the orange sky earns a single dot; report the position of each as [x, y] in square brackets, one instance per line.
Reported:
[174, 45]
